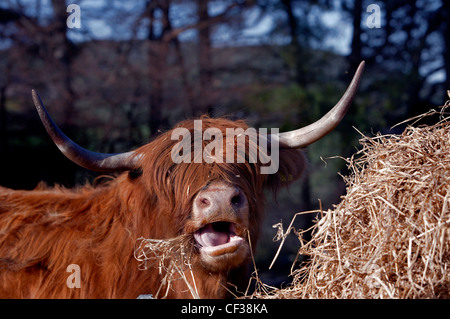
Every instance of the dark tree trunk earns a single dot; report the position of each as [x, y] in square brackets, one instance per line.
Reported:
[204, 57]
[445, 11]
[356, 54]
[65, 52]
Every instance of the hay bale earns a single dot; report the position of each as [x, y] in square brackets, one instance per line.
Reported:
[390, 235]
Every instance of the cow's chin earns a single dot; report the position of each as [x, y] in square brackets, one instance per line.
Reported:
[221, 246]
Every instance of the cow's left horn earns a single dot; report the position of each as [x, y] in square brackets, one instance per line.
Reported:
[307, 135]
[99, 162]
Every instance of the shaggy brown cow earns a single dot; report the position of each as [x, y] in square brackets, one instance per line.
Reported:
[48, 233]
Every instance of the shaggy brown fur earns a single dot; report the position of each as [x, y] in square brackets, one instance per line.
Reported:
[44, 231]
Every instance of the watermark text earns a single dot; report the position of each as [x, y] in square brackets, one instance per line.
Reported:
[238, 146]
[74, 19]
[74, 279]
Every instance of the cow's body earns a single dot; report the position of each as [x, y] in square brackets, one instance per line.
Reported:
[46, 230]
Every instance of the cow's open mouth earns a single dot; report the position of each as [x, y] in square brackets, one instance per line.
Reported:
[218, 238]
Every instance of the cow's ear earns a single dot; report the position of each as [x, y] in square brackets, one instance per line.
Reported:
[135, 173]
[292, 164]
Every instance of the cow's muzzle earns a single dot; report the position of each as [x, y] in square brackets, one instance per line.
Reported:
[221, 214]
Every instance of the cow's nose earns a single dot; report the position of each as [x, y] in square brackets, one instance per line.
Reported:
[220, 199]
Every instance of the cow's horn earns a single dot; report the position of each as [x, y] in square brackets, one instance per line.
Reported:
[99, 162]
[309, 134]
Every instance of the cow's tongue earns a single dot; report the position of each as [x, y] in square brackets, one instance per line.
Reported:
[214, 234]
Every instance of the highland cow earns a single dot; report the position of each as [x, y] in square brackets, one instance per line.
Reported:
[217, 206]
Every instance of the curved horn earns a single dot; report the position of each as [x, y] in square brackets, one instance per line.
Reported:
[304, 136]
[99, 162]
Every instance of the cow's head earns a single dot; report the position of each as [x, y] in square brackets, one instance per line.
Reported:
[218, 202]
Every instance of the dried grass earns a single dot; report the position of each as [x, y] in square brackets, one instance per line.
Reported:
[173, 259]
[389, 237]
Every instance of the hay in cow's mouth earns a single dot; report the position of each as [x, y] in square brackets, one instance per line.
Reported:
[155, 252]
[172, 256]
[218, 238]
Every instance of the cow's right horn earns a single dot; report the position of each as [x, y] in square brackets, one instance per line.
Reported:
[94, 161]
[304, 136]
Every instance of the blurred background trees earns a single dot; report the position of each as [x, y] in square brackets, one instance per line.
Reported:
[135, 68]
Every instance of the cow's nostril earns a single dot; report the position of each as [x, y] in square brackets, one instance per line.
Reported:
[203, 202]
